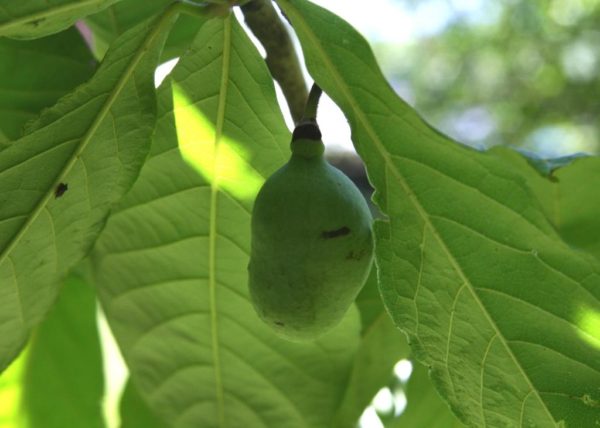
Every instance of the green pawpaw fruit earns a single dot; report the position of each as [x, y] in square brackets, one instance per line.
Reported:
[311, 246]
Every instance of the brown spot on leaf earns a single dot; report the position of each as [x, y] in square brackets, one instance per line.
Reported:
[60, 190]
[36, 22]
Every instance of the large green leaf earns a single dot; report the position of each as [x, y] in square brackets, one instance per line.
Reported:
[491, 298]
[37, 18]
[171, 263]
[424, 408]
[92, 144]
[58, 381]
[35, 74]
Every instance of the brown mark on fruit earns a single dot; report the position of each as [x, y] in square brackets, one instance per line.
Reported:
[328, 234]
[279, 323]
[352, 255]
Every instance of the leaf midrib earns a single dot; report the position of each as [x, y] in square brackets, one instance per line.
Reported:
[361, 117]
[213, 232]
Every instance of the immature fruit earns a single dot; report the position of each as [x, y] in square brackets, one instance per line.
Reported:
[311, 244]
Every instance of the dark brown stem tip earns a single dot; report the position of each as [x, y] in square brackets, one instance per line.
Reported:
[307, 130]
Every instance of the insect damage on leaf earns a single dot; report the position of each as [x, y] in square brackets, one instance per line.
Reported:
[60, 190]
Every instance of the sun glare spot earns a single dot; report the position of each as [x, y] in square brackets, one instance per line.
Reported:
[403, 370]
[163, 70]
[11, 392]
[384, 401]
[221, 161]
[400, 402]
[369, 419]
[588, 321]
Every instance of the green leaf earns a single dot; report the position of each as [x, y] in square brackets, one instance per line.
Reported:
[424, 408]
[64, 381]
[110, 23]
[135, 412]
[58, 380]
[171, 264]
[369, 302]
[89, 147]
[3, 140]
[382, 346]
[490, 297]
[37, 18]
[567, 194]
[11, 390]
[35, 74]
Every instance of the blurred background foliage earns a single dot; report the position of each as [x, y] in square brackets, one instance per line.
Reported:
[516, 72]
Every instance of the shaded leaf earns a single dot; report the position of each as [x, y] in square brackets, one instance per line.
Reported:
[63, 384]
[37, 18]
[369, 302]
[58, 380]
[112, 22]
[135, 412]
[424, 408]
[171, 263]
[490, 297]
[382, 346]
[91, 144]
[3, 140]
[35, 74]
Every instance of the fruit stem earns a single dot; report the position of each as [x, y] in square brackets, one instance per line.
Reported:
[312, 103]
[264, 22]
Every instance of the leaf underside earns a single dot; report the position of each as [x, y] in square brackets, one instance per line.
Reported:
[492, 299]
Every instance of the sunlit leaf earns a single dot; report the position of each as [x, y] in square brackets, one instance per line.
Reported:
[171, 263]
[58, 182]
[11, 392]
[470, 267]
